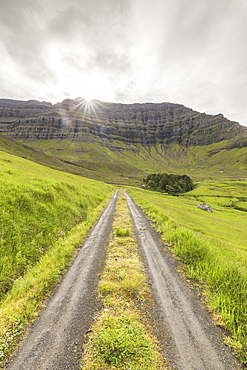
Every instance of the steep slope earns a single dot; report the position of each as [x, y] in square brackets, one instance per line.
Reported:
[85, 168]
[128, 139]
[18, 149]
[148, 123]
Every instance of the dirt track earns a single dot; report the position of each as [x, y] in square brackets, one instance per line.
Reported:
[55, 341]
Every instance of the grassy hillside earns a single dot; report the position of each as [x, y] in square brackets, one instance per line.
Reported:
[115, 161]
[18, 149]
[212, 246]
[38, 205]
[45, 215]
[127, 164]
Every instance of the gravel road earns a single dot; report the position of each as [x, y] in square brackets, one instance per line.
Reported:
[195, 343]
[55, 340]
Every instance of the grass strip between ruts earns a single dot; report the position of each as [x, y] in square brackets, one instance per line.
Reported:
[120, 337]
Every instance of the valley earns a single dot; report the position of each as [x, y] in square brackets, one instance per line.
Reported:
[122, 143]
[59, 167]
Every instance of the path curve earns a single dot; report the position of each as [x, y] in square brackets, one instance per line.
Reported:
[196, 343]
[55, 341]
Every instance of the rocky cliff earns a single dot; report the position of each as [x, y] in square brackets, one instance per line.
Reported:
[147, 124]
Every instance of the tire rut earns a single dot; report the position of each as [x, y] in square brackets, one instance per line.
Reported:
[196, 344]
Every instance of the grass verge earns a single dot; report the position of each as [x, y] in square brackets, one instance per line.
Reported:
[213, 251]
[120, 337]
[45, 216]
[25, 300]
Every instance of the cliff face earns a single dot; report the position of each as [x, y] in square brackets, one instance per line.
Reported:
[147, 124]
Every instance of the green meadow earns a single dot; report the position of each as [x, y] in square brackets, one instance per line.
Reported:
[128, 163]
[211, 245]
[45, 216]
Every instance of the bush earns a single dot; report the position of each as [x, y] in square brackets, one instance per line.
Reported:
[169, 183]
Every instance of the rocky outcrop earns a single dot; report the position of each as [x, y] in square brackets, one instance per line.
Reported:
[17, 109]
[148, 123]
[205, 207]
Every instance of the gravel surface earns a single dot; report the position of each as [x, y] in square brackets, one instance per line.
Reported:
[194, 341]
[55, 341]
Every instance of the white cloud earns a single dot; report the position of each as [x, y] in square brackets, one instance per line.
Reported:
[190, 52]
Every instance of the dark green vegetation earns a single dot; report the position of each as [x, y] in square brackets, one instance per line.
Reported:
[170, 184]
[122, 143]
[45, 215]
[211, 245]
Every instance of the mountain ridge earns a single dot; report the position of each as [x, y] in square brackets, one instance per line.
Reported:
[126, 139]
[145, 123]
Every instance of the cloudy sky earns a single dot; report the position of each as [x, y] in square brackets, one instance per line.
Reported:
[192, 52]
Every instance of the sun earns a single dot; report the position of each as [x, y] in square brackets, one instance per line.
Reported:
[88, 100]
[87, 107]
[88, 92]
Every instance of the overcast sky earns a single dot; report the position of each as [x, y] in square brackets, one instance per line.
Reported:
[192, 52]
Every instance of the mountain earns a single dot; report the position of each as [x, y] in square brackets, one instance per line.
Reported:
[127, 140]
[148, 124]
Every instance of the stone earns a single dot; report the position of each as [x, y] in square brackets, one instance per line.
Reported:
[205, 207]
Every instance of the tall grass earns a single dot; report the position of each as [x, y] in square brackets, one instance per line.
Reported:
[45, 215]
[34, 215]
[220, 266]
